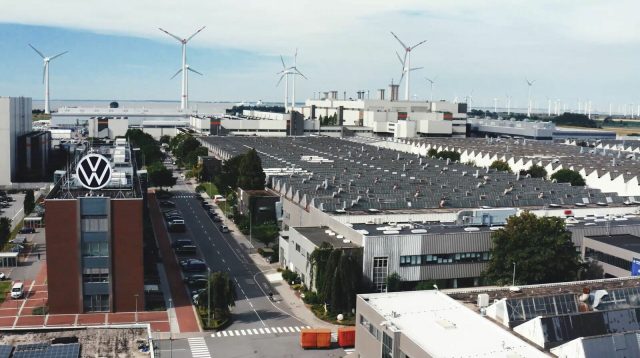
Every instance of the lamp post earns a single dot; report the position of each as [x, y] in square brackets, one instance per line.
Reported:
[513, 279]
[136, 296]
[208, 297]
[250, 230]
[170, 330]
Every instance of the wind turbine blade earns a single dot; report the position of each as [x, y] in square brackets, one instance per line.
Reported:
[194, 71]
[418, 44]
[195, 33]
[58, 55]
[300, 73]
[282, 60]
[295, 58]
[36, 50]
[170, 34]
[416, 68]
[401, 43]
[172, 77]
[401, 77]
[400, 59]
[280, 80]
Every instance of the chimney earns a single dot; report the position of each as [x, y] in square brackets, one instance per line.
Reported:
[381, 94]
[393, 88]
[334, 95]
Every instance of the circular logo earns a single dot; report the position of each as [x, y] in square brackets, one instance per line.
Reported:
[93, 171]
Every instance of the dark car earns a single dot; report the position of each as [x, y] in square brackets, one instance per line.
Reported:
[168, 203]
[27, 230]
[216, 219]
[193, 265]
[194, 277]
[197, 284]
[181, 242]
[171, 212]
[186, 250]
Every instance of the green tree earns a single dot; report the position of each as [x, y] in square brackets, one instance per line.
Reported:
[223, 295]
[227, 180]
[147, 144]
[188, 145]
[160, 176]
[250, 173]
[342, 280]
[432, 152]
[5, 229]
[575, 119]
[318, 261]
[165, 139]
[568, 176]
[266, 233]
[29, 202]
[192, 157]
[541, 249]
[500, 165]
[536, 171]
[448, 154]
[591, 270]
[425, 285]
[394, 282]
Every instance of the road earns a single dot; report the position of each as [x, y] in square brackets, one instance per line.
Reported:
[260, 327]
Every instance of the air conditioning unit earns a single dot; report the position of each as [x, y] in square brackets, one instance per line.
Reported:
[483, 300]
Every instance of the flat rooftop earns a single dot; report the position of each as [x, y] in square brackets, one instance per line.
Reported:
[320, 234]
[624, 241]
[443, 327]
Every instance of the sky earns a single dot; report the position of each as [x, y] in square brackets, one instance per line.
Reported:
[573, 49]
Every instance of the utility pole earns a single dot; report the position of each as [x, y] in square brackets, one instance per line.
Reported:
[513, 279]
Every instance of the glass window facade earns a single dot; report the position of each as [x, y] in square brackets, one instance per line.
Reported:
[380, 272]
[95, 248]
[369, 327]
[96, 303]
[436, 259]
[95, 275]
[607, 258]
[95, 224]
[387, 346]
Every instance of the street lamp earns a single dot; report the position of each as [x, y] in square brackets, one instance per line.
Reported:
[170, 330]
[136, 296]
[513, 279]
[250, 230]
[208, 297]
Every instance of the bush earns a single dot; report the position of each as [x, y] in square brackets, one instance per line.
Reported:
[311, 298]
[200, 188]
[40, 311]
[501, 166]
[290, 276]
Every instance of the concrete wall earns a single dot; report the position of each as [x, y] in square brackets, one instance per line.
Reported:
[126, 255]
[296, 260]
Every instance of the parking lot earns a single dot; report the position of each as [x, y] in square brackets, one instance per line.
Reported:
[12, 207]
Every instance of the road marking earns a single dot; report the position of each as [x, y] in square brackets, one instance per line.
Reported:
[261, 330]
[255, 331]
[243, 332]
[231, 333]
[285, 329]
[279, 329]
[297, 329]
[199, 347]
[266, 329]
[224, 333]
[249, 332]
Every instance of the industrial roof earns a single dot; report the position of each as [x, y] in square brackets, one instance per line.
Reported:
[625, 241]
[318, 235]
[336, 175]
[443, 327]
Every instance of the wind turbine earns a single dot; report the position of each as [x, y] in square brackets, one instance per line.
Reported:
[187, 77]
[294, 73]
[431, 83]
[407, 63]
[508, 105]
[495, 104]
[529, 84]
[285, 74]
[45, 76]
[184, 100]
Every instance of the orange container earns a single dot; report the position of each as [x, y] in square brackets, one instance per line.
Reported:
[323, 338]
[308, 338]
[347, 336]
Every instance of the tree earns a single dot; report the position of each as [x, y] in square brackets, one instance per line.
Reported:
[165, 139]
[394, 282]
[591, 270]
[536, 171]
[265, 233]
[223, 295]
[541, 249]
[425, 285]
[568, 176]
[227, 180]
[342, 280]
[160, 176]
[250, 173]
[575, 119]
[29, 202]
[448, 154]
[432, 152]
[5, 229]
[318, 261]
[192, 158]
[146, 143]
[500, 165]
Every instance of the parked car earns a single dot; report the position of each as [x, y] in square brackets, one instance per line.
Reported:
[27, 230]
[198, 283]
[181, 242]
[172, 218]
[216, 219]
[20, 240]
[168, 203]
[186, 250]
[17, 248]
[224, 228]
[194, 277]
[193, 265]
[177, 225]
[17, 290]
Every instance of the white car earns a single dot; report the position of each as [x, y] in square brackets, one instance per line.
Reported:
[17, 290]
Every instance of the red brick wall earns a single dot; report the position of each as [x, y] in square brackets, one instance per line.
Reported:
[127, 261]
[63, 256]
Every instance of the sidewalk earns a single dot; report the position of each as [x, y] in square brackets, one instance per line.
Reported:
[284, 292]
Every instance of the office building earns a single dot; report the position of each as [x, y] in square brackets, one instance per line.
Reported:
[94, 259]
[33, 156]
[15, 121]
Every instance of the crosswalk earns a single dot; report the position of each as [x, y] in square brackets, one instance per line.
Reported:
[191, 196]
[258, 331]
[199, 347]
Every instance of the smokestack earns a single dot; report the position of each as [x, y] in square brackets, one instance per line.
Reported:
[360, 94]
[381, 94]
[393, 88]
[334, 95]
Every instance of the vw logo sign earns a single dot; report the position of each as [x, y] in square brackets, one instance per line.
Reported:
[93, 171]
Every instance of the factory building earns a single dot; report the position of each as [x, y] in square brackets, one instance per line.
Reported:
[95, 258]
[15, 121]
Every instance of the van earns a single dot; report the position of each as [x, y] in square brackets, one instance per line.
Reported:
[17, 290]
[224, 229]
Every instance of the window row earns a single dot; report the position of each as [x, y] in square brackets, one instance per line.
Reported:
[96, 303]
[95, 248]
[95, 224]
[606, 258]
[95, 275]
[369, 327]
[459, 257]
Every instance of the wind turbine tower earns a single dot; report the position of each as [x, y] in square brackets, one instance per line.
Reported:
[295, 72]
[407, 63]
[495, 105]
[184, 99]
[45, 76]
[529, 84]
[187, 77]
[431, 83]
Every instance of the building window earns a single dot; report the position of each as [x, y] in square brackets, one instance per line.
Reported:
[298, 247]
[387, 346]
[96, 303]
[369, 327]
[95, 248]
[455, 258]
[607, 258]
[380, 271]
[95, 275]
[95, 224]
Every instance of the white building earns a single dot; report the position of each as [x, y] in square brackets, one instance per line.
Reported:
[15, 120]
